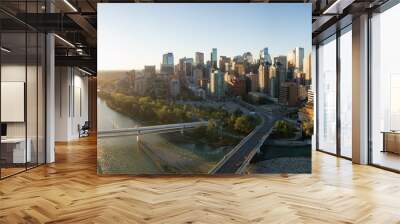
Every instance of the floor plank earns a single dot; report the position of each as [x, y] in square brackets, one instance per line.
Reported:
[69, 191]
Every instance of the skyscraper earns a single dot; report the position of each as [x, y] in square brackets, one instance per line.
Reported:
[280, 76]
[248, 57]
[264, 56]
[214, 58]
[281, 61]
[217, 84]
[185, 70]
[299, 58]
[239, 69]
[291, 64]
[263, 76]
[197, 76]
[168, 59]
[167, 66]
[288, 94]
[273, 84]
[307, 68]
[223, 60]
[254, 85]
[149, 70]
[188, 68]
[238, 86]
[199, 58]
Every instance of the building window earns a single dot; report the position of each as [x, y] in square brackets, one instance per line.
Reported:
[326, 94]
[346, 92]
[385, 89]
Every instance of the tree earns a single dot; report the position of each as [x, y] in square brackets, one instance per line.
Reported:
[243, 124]
[212, 131]
[282, 129]
[162, 113]
[307, 129]
[231, 121]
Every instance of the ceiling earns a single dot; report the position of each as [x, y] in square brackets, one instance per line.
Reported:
[75, 21]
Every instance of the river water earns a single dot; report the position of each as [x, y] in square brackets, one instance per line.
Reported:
[171, 153]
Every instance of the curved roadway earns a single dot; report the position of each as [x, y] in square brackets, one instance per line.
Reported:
[235, 160]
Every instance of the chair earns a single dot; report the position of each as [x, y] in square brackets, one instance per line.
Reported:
[84, 130]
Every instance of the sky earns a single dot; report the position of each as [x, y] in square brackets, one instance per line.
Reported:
[133, 35]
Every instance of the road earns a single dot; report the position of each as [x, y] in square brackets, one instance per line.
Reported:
[231, 164]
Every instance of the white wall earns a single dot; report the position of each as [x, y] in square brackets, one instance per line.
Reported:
[33, 126]
[71, 102]
[14, 73]
[62, 82]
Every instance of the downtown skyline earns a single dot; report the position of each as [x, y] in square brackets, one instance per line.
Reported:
[256, 57]
[184, 32]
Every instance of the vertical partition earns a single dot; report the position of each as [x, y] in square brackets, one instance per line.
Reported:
[22, 77]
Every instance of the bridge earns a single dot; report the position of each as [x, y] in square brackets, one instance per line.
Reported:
[150, 129]
[240, 156]
[236, 160]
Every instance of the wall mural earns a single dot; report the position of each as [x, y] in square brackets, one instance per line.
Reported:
[204, 88]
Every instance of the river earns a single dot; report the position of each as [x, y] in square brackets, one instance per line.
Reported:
[171, 153]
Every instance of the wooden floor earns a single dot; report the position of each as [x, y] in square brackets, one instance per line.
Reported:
[387, 159]
[69, 191]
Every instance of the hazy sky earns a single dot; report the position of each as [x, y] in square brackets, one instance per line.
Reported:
[133, 35]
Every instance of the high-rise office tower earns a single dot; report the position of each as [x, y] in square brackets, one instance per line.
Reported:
[291, 64]
[238, 86]
[239, 69]
[197, 76]
[289, 94]
[254, 85]
[181, 64]
[223, 60]
[264, 56]
[248, 57]
[217, 84]
[273, 84]
[281, 61]
[185, 70]
[307, 69]
[299, 58]
[188, 67]
[214, 58]
[149, 70]
[167, 66]
[263, 76]
[199, 58]
[238, 59]
[280, 76]
[168, 59]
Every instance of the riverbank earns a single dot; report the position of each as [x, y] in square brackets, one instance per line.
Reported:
[151, 111]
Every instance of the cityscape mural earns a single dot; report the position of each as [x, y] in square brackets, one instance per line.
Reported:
[204, 88]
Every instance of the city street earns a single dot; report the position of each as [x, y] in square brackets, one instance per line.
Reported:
[235, 160]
